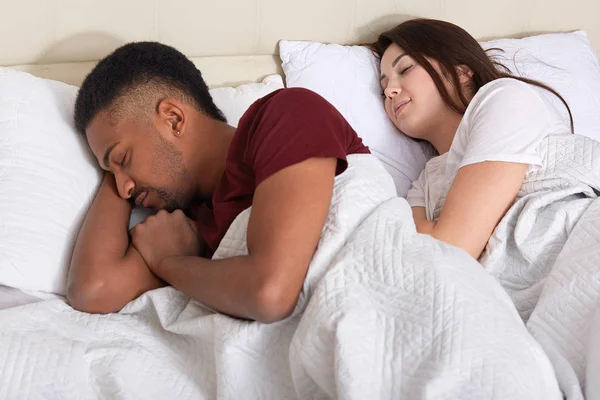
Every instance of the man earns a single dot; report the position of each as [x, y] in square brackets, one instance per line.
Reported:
[150, 122]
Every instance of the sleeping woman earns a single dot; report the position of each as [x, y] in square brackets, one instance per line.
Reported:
[511, 185]
[440, 86]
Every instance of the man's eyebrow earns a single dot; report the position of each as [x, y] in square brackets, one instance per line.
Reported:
[107, 154]
[382, 77]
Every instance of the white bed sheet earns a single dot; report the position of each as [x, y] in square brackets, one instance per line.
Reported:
[11, 297]
[376, 319]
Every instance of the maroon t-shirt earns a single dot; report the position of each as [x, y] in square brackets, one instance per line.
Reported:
[281, 129]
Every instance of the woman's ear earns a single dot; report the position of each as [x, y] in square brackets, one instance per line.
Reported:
[465, 74]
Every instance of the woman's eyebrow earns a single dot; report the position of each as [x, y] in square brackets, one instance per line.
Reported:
[382, 77]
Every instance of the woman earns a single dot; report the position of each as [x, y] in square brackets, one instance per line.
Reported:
[440, 86]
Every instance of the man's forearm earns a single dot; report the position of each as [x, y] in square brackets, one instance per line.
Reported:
[106, 272]
[104, 233]
[232, 286]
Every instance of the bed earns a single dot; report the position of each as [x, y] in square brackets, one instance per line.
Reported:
[164, 346]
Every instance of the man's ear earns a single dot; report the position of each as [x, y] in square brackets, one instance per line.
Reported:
[170, 112]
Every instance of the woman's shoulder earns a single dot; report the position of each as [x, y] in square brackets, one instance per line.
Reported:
[505, 89]
[508, 95]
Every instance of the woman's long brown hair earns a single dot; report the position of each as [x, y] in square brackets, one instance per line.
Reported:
[452, 47]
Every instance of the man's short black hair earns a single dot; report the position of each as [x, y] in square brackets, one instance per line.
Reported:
[134, 66]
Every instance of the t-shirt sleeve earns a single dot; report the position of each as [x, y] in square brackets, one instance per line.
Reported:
[295, 125]
[416, 194]
[506, 123]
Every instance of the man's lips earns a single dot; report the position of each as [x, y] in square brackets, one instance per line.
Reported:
[141, 197]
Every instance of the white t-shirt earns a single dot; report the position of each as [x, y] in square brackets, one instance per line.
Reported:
[505, 121]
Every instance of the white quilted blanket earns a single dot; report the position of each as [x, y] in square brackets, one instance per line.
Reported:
[546, 254]
[385, 313]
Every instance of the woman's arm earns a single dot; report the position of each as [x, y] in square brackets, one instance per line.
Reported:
[421, 223]
[478, 199]
[506, 122]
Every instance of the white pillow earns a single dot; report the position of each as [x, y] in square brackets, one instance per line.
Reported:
[347, 76]
[47, 180]
[48, 176]
[564, 61]
[234, 101]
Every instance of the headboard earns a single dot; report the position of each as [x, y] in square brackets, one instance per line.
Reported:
[235, 41]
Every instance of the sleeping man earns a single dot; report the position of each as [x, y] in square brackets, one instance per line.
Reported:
[149, 120]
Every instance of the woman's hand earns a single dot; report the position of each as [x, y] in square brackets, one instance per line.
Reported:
[424, 226]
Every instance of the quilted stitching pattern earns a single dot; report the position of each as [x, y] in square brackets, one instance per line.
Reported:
[545, 253]
[388, 322]
[384, 313]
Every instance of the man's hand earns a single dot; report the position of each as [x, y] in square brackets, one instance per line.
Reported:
[166, 235]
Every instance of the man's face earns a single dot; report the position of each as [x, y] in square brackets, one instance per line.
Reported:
[148, 167]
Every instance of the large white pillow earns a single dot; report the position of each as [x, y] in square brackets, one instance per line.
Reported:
[234, 101]
[347, 76]
[566, 62]
[48, 177]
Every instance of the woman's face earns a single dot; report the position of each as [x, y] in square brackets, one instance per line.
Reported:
[412, 100]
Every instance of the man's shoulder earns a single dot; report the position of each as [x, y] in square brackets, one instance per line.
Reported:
[291, 98]
[287, 106]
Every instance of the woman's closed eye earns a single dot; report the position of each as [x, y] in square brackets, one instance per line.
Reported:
[405, 69]
[402, 72]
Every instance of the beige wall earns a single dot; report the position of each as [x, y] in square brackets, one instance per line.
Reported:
[59, 31]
